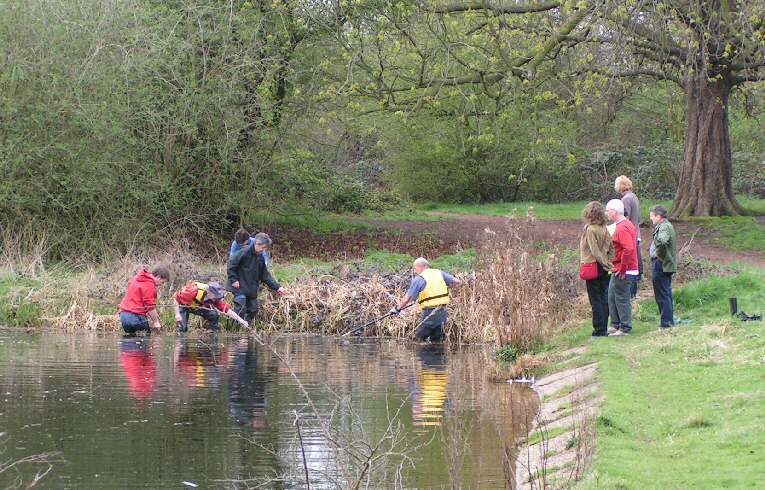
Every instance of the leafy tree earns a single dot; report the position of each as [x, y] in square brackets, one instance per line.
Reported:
[415, 55]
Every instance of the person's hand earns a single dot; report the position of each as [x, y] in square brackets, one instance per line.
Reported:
[235, 285]
[395, 310]
[178, 317]
[281, 291]
[157, 327]
[244, 323]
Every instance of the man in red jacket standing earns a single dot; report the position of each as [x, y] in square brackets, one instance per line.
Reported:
[138, 309]
[625, 270]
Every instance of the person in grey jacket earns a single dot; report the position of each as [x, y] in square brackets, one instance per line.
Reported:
[623, 186]
[246, 270]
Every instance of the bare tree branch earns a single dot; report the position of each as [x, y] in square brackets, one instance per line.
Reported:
[499, 7]
[559, 36]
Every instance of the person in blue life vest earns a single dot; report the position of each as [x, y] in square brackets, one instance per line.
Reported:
[430, 289]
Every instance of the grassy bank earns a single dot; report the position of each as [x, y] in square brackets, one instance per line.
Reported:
[683, 409]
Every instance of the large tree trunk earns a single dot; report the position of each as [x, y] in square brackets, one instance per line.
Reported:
[705, 187]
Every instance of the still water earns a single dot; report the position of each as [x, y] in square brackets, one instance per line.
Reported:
[220, 411]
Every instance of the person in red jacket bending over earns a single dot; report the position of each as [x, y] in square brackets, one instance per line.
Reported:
[138, 309]
[205, 300]
[625, 269]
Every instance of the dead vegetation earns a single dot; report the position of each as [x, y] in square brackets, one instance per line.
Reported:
[517, 294]
[26, 471]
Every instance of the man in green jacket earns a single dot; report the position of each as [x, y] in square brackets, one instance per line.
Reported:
[663, 263]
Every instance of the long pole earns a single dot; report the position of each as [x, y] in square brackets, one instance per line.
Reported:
[364, 327]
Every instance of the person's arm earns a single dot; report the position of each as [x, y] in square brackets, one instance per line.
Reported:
[450, 280]
[153, 317]
[418, 284]
[232, 270]
[268, 279]
[403, 303]
[618, 254]
[591, 240]
[149, 301]
[177, 308]
[663, 236]
[224, 308]
[182, 298]
[628, 249]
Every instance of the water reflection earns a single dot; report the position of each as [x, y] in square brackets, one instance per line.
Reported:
[216, 409]
[429, 390]
[248, 386]
[201, 363]
[139, 366]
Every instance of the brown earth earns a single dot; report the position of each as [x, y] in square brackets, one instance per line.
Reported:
[458, 231]
[468, 230]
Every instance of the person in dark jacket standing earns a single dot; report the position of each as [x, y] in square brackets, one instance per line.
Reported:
[663, 253]
[246, 270]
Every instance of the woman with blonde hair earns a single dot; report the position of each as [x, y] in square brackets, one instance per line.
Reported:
[595, 252]
[623, 186]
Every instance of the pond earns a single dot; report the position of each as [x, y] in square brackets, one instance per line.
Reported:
[227, 412]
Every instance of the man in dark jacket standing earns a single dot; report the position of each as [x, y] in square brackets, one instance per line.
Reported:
[246, 270]
[663, 264]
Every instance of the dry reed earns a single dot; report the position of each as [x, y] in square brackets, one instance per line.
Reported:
[517, 295]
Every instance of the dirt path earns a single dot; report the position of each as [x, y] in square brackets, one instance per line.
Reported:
[467, 230]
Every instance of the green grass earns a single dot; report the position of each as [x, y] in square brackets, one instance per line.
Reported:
[753, 204]
[461, 261]
[319, 223]
[736, 232]
[683, 409]
[14, 310]
[542, 210]
[568, 210]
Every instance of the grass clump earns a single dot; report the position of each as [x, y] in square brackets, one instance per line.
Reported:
[507, 353]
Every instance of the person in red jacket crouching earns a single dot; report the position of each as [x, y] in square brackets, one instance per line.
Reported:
[138, 309]
[625, 269]
[205, 300]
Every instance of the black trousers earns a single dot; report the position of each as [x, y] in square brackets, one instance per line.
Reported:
[597, 292]
[211, 316]
[431, 324]
[246, 307]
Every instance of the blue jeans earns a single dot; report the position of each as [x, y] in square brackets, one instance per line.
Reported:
[133, 322]
[635, 285]
[662, 292]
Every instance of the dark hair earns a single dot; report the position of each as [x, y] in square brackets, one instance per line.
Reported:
[241, 235]
[161, 272]
[659, 210]
[594, 214]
